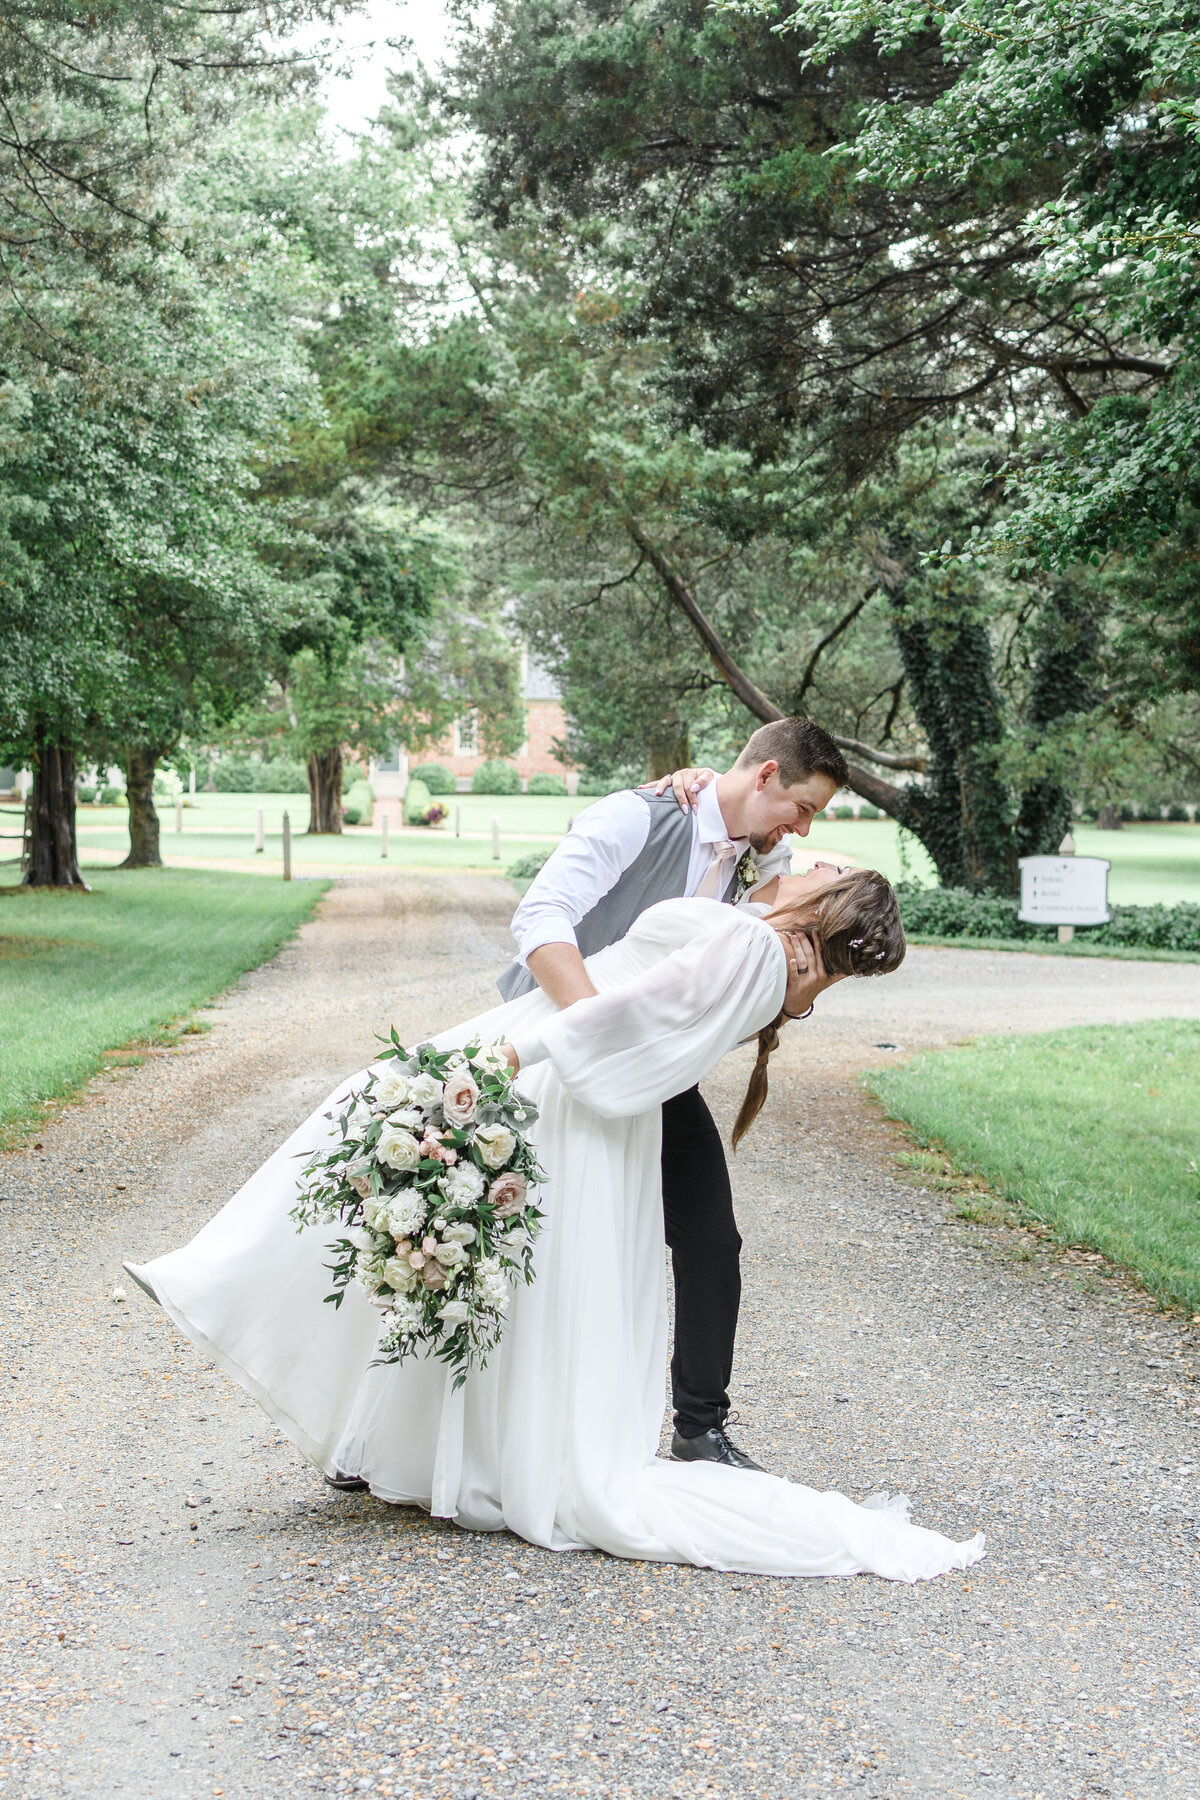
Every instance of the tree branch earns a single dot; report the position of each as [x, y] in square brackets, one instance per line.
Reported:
[830, 637]
[887, 759]
[870, 787]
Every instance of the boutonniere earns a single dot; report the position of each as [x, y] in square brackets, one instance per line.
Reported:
[747, 873]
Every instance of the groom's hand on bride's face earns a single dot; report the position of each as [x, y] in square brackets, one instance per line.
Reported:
[687, 785]
[807, 976]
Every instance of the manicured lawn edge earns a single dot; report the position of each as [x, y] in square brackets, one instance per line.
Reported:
[1052, 1133]
[161, 1026]
[1038, 947]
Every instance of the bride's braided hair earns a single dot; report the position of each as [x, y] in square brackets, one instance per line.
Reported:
[857, 919]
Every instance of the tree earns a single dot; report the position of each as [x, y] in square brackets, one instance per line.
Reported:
[839, 332]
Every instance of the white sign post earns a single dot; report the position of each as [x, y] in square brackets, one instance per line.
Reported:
[1065, 890]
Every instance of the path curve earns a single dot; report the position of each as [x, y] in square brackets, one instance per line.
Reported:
[191, 1613]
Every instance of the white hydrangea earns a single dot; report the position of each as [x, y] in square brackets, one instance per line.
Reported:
[462, 1184]
[407, 1315]
[406, 1213]
[491, 1284]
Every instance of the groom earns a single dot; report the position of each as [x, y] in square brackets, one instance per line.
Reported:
[623, 855]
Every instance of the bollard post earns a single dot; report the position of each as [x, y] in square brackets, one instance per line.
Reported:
[192, 785]
[458, 821]
[571, 822]
[287, 848]
[495, 840]
[179, 812]
[260, 835]
[383, 832]
[1066, 933]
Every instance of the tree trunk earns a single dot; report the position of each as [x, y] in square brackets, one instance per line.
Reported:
[963, 811]
[140, 763]
[325, 791]
[52, 860]
[667, 750]
[1063, 686]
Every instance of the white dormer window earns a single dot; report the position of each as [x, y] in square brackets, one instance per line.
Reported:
[466, 735]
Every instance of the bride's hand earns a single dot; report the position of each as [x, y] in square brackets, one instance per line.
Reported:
[687, 784]
[806, 972]
[514, 1061]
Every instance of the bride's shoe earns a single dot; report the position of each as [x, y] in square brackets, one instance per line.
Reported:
[713, 1445]
[346, 1483]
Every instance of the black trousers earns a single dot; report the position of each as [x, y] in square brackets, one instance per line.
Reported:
[702, 1236]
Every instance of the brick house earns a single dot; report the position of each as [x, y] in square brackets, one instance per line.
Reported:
[460, 753]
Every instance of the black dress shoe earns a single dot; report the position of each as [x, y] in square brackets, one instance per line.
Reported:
[346, 1483]
[712, 1446]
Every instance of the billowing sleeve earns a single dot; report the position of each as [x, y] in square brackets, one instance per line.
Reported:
[627, 1050]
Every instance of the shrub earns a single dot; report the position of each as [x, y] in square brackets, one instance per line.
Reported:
[494, 777]
[527, 866]
[352, 774]
[1125, 813]
[236, 775]
[594, 787]
[1178, 815]
[85, 795]
[359, 801]
[418, 803]
[843, 812]
[437, 779]
[956, 912]
[113, 796]
[546, 784]
[869, 812]
[283, 777]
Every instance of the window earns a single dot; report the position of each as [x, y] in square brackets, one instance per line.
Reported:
[466, 735]
[389, 764]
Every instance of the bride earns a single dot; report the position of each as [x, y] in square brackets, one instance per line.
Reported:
[557, 1438]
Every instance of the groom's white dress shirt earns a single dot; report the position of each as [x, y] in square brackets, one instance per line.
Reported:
[605, 841]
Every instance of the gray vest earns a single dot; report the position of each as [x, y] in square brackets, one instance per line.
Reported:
[658, 872]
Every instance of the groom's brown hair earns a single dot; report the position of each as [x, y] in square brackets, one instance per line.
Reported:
[800, 747]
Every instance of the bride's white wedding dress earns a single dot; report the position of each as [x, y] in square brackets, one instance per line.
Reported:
[557, 1438]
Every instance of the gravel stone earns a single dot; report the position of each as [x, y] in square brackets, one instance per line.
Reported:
[190, 1612]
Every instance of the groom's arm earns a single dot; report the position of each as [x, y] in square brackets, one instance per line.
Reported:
[590, 860]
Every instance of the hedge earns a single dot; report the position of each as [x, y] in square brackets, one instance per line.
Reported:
[437, 778]
[495, 777]
[527, 866]
[253, 775]
[546, 784]
[358, 804]
[956, 912]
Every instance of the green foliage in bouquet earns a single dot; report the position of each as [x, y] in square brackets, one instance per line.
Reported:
[428, 1184]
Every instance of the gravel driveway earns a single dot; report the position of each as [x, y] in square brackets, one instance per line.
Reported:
[190, 1613]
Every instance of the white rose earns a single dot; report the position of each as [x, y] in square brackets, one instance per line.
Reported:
[360, 1117]
[455, 1313]
[451, 1255]
[425, 1091]
[375, 1211]
[495, 1144]
[462, 1184]
[459, 1233]
[459, 1099]
[362, 1240]
[399, 1149]
[516, 1241]
[391, 1089]
[455, 1060]
[399, 1273]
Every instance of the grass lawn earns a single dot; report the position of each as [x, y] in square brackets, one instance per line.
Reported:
[1149, 862]
[1092, 1132]
[86, 973]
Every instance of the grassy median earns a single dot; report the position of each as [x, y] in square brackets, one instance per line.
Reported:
[82, 974]
[1094, 1133]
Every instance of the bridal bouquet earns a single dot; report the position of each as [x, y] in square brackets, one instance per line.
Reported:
[430, 1185]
